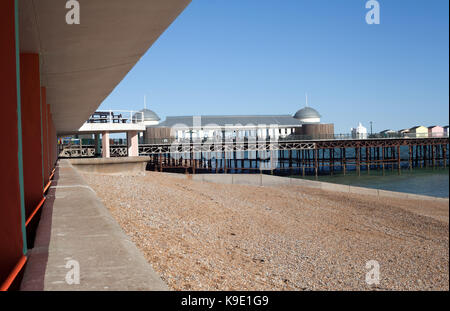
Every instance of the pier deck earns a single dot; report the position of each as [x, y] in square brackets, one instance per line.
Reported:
[290, 156]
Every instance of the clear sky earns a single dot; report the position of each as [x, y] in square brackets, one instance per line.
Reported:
[261, 57]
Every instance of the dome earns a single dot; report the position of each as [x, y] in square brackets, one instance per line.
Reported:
[307, 113]
[149, 115]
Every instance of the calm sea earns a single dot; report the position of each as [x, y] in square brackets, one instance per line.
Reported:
[426, 181]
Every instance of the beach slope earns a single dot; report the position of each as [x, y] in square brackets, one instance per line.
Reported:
[206, 236]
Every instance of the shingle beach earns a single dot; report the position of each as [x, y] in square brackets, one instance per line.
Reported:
[206, 236]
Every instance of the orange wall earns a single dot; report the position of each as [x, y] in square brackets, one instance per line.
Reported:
[30, 90]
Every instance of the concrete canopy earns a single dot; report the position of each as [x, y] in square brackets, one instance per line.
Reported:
[82, 64]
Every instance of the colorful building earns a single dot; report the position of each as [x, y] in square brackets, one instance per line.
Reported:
[435, 131]
[418, 131]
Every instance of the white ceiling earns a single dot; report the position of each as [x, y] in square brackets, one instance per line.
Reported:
[82, 64]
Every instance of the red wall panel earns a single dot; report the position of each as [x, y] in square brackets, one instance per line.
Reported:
[30, 90]
[11, 238]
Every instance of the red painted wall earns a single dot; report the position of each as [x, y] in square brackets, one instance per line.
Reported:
[30, 91]
[10, 216]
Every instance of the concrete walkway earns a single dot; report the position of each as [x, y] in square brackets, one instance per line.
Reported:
[75, 227]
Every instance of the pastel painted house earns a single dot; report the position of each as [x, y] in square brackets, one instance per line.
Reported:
[418, 131]
[388, 133]
[435, 131]
[404, 132]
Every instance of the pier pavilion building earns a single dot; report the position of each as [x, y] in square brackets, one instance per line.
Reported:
[305, 122]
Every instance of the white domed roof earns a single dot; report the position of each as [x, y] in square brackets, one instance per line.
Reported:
[149, 115]
[306, 113]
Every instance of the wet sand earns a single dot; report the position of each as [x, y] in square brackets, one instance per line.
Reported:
[206, 236]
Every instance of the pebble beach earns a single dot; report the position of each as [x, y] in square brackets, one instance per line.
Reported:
[207, 236]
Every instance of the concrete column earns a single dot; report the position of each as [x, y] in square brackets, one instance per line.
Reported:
[97, 144]
[12, 217]
[30, 93]
[133, 145]
[105, 145]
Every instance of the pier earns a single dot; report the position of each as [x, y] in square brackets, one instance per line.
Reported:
[287, 156]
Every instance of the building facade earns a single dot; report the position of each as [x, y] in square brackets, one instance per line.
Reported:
[359, 132]
[435, 131]
[418, 131]
[305, 122]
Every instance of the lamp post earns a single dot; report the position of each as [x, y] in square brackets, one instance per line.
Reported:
[371, 132]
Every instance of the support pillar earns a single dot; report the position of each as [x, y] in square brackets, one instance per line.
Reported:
[97, 145]
[358, 160]
[316, 162]
[105, 145]
[444, 151]
[133, 143]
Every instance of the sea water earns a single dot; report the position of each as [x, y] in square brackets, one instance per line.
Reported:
[425, 181]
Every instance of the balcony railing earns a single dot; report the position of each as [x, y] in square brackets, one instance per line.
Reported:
[116, 116]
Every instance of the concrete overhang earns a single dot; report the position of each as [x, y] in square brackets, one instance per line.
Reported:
[82, 64]
[110, 127]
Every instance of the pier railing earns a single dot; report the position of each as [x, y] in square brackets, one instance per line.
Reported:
[310, 157]
[173, 146]
[317, 137]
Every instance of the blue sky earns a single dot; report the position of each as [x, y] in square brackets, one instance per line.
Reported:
[262, 56]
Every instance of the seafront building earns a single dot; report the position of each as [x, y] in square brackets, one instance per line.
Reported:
[435, 131]
[418, 131]
[305, 122]
[359, 132]
[388, 133]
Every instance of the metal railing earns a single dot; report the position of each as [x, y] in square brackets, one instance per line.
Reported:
[88, 151]
[364, 136]
[316, 137]
[171, 144]
[116, 116]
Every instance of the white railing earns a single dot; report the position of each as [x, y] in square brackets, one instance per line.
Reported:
[116, 116]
